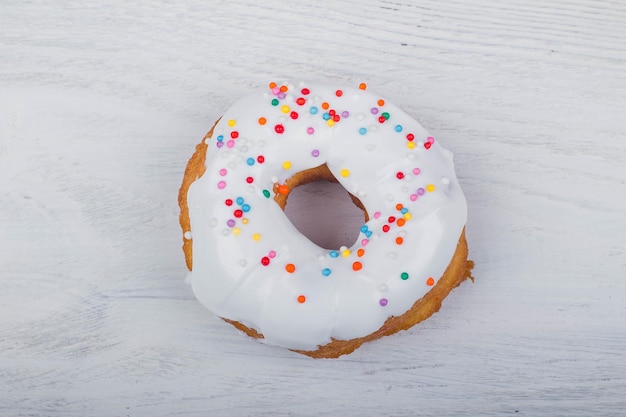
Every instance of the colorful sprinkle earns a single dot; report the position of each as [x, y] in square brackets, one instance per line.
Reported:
[315, 153]
[362, 131]
[301, 299]
[404, 276]
[262, 121]
[287, 165]
[362, 86]
[344, 173]
[357, 266]
[221, 185]
[326, 272]
[310, 130]
[381, 102]
[383, 302]
[280, 129]
[399, 240]
[265, 261]
[430, 188]
[291, 268]
[256, 237]
[260, 159]
[430, 282]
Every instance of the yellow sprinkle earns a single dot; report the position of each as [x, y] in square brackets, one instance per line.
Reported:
[287, 165]
[345, 253]
[256, 237]
[330, 122]
[430, 188]
[232, 123]
[410, 145]
[236, 231]
[285, 109]
[245, 220]
[344, 173]
[408, 216]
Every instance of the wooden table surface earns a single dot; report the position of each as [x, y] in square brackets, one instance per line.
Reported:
[102, 103]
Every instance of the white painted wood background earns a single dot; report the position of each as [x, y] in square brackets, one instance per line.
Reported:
[101, 104]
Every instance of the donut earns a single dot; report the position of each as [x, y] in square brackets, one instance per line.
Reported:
[250, 266]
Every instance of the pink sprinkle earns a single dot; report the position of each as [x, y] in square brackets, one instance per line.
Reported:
[230, 143]
[275, 90]
[272, 254]
[377, 214]
[310, 130]
[416, 171]
[364, 242]
[223, 172]
[413, 197]
[430, 140]
[221, 185]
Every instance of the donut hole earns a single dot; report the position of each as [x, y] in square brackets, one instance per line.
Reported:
[325, 213]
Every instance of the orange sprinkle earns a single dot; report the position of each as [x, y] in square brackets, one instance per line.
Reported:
[399, 206]
[357, 266]
[362, 86]
[262, 120]
[301, 299]
[283, 189]
[401, 222]
[291, 268]
[325, 105]
[430, 281]
[283, 88]
[360, 252]
[272, 85]
[399, 240]
[381, 102]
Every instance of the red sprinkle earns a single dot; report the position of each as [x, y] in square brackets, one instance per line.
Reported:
[234, 134]
[279, 128]
[249, 180]
[229, 202]
[238, 213]
[265, 261]
[381, 119]
[400, 175]
[294, 115]
[427, 145]
[300, 101]
[391, 219]
[260, 159]
[305, 91]
[386, 228]
[339, 93]
[410, 137]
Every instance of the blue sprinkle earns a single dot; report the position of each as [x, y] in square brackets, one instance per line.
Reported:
[250, 161]
[334, 254]
[313, 110]
[245, 208]
[220, 138]
[364, 228]
[404, 210]
[239, 200]
[398, 128]
[362, 131]
[368, 233]
[326, 272]
[325, 116]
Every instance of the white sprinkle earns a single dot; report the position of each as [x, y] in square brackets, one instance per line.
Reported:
[226, 232]
[445, 180]
[383, 287]
[389, 197]
[274, 179]
[187, 235]
[392, 255]
[213, 222]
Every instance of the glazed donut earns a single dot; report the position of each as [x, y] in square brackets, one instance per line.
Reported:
[249, 264]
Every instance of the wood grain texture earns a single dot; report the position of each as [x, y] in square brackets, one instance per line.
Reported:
[101, 106]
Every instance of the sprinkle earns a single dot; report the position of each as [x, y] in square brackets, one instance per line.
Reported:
[230, 143]
[381, 119]
[408, 216]
[357, 266]
[430, 282]
[383, 302]
[300, 101]
[238, 213]
[281, 95]
[232, 123]
[404, 276]
[410, 145]
[272, 85]
[339, 93]
[401, 222]
[260, 159]
[287, 165]
[249, 180]
[344, 173]
[334, 254]
[291, 268]
[364, 228]
[266, 193]
[313, 110]
[221, 185]
[381, 102]
[230, 223]
[345, 114]
[399, 206]
[362, 131]
[330, 122]
[279, 129]
[410, 137]
[420, 191]
[399, 241]
[310, 130]
[325, 105]
[223, 172]
[228, 202]
[283, 88]
[345, 253]
[427, 145]
[245, 208]
[275, 102]
[301, 299]
[265, 261]
[386, 115]
[430, 140]
[283, 189]
[256, 237]
[285, 109]
[374, 110]
[413, 197]
[305, 91]
[236, 231]
[244, 220]
[364, 242]
[416, 171]
[430, 188]
[398, 128]
[250, 161]
[326, 272]
[239, 200]
[377, 214]
[262, 121]
[272, 254]
[386, 228]
[315, 153]
[362, 86]
[400, 175]
[360, 252]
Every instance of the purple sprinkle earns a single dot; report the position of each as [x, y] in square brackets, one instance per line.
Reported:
[383, 302]
[420, 191]
[281, 95]
[219, 144]
[315, 153]
[345, 114]
[230, 223]
[374, 110]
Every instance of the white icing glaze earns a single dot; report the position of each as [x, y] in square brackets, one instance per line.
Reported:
[373, 159]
